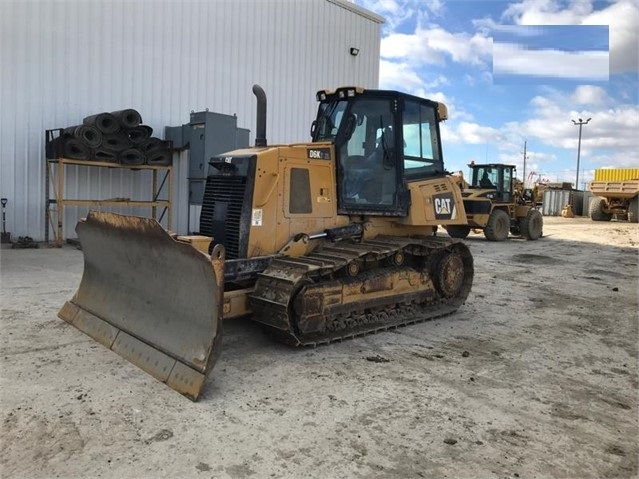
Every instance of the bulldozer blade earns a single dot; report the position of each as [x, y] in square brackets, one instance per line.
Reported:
[151, 299]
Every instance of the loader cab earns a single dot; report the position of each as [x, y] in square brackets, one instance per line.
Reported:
[497, 177]
[383, 139]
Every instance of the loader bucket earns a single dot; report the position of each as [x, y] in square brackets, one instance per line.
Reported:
[153, 300]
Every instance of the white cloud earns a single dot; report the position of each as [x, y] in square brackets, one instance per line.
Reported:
[589, 95]
[434, 45]
[623, 19]
[510, 58]
[399, 76]
[410, 46]
[435, 6]
[613, 161]
[404, 54]
[394, 12]
[402, 77]
[473, 133]
[612, 128]
[398, 12]
[547, 12]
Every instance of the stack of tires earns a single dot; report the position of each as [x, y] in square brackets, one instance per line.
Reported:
[115, 137]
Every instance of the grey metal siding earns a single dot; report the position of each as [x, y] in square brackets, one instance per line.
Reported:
[555, 200]
[63, 60]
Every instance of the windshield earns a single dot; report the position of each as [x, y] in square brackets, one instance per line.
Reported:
[485, 177]
[329, 118]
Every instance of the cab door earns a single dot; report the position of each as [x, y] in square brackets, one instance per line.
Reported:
[369, 157]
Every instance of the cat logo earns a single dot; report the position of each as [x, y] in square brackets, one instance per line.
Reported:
[444, 207]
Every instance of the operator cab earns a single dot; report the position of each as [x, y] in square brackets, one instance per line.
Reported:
[382, 140]
[495, 177]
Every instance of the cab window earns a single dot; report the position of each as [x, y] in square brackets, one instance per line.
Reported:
[421, 149]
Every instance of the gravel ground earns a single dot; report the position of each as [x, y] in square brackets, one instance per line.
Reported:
[535, 376]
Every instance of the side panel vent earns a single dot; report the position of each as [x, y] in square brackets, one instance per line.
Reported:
[441, 187]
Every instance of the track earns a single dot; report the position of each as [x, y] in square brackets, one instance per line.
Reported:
[344, 289]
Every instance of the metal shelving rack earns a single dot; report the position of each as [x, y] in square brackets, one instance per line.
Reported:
[55, 172]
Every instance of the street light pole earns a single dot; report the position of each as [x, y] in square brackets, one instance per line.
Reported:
[524, 176]
[581, 123]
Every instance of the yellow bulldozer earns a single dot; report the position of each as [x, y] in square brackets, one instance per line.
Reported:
[317, 241]
[496, 202]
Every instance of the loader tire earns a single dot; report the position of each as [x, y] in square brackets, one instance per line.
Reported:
[458, 231]
[596, 210]
[532, 226]
[633, 210]
[498, 226]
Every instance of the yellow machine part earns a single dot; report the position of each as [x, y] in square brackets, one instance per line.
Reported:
[122, 300]
[615, 189]
[616, 174]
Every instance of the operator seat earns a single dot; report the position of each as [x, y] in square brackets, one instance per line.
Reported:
[485, 181]
[379, 187]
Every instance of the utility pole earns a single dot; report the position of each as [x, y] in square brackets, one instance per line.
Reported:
[581, 123]
[524, 176]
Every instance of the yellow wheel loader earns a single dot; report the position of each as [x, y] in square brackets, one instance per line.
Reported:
[496, 202]
[317, 241]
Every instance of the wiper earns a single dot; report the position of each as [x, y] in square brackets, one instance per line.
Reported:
[387, 161]
[324, 121]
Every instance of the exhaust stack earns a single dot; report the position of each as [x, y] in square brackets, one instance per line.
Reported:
[260, 130]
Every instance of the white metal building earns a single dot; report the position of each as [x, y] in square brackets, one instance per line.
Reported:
[63, 60]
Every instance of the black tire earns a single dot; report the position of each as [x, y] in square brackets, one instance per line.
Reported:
[498, 226]
[532, 226]
[457, 231]
[633, 210]
[596, 210]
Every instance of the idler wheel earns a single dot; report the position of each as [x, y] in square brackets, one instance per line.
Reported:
[398, 259]
[450, 275]
[353, 269]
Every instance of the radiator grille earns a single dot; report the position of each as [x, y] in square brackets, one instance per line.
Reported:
[221, 215]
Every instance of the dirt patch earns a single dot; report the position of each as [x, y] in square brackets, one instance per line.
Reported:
[535, 376]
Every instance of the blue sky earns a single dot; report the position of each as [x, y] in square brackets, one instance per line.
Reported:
[515, 72]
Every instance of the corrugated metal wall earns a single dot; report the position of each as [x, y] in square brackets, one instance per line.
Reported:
[555, 200]
[616, 174]
[63, 60]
